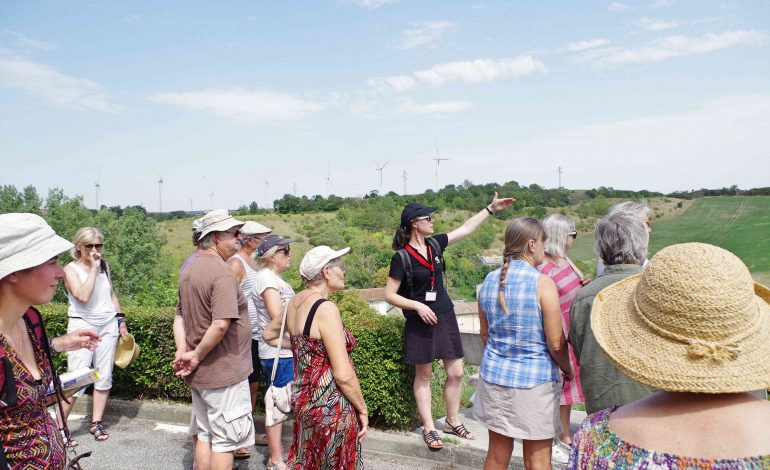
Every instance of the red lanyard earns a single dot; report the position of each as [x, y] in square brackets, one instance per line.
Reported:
[422, 261]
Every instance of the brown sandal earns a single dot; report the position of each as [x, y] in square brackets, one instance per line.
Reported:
[459, 430]
[97, 429]
[433, 440]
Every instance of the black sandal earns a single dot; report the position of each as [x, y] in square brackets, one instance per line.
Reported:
[433, 440]
[459, 430]
[98, 431]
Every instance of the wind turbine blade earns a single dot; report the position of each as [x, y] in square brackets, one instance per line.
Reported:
[386, 164]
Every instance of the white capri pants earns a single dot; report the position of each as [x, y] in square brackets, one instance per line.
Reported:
[102, 358]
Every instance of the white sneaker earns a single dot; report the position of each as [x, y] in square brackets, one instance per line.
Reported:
[559, 454]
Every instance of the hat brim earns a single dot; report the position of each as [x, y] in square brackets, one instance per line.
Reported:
[222, 226]
[645, 356]
[35, 255]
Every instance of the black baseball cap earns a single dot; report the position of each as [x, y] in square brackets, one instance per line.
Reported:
[413, 210]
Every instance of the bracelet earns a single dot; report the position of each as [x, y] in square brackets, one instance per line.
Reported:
[121, 320]
[489, 210]
[51, 347]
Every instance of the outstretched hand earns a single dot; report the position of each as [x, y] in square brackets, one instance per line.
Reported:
[80, 339]
[499, 204]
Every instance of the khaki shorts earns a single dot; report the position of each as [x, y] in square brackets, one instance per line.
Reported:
[223, 416]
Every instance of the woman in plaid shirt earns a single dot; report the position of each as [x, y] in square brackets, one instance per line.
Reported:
[524, 351]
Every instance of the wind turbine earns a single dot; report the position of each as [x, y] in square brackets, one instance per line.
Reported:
[267, 194]
[561, 172]
[405, 178]
[97, 190]
[379, 168]
[438, 160]
[211, 200]
[328, 179]
[160, 194]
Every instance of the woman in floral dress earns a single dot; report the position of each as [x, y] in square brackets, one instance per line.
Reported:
[330, 415]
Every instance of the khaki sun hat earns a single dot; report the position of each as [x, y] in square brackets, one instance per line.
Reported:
[692, 321]
[218, 220]
[126, 351]
[315, 260]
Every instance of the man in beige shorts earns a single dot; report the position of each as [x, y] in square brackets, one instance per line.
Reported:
[213, 323]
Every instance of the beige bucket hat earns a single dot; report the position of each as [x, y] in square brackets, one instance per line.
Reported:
[126, 351]
[692, 321]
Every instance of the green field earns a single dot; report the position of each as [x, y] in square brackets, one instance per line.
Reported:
[738, 224]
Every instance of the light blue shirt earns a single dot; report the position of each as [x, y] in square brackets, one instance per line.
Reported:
[516, 354]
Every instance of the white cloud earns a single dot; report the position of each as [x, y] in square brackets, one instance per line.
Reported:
[674, 46]
[399, 83]
[425, 34]
[662, 3]
[370, 4]
[589, 44]
[246, 107]
[657, 25]
[23, 41]
[480, 70]
[617, 7]
[722, 142]
[438, 109]
[57, 89]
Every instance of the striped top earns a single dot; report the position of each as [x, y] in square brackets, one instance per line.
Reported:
[516, 354]
[567, 284]
[246, 286]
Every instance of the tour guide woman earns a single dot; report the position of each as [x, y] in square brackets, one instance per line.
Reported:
[431, 330]
[29, 274]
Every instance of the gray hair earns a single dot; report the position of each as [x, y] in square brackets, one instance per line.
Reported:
[621, 238]
[557, 226]
[206, 242]
[632, 207]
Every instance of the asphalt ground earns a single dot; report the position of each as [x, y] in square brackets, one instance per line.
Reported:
[150, 435]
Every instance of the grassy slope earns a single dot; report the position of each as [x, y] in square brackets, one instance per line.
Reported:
[738, 224]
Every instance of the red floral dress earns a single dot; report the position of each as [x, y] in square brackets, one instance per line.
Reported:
[29, 436]
[325, 423]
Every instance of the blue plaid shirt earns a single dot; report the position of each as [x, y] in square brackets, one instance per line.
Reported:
[516, 354]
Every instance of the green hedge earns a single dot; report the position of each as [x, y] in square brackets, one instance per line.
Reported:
[385, 380]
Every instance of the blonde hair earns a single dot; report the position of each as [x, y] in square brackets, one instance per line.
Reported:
[557, 226]
[82, 237]
[263, 260]
[518, 233]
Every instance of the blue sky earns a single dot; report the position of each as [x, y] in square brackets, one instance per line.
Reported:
[232, 102]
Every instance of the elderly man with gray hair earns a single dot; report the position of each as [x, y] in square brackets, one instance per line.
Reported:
[637, 208]
[621, 243]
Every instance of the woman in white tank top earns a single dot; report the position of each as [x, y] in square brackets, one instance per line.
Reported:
[94, 305]
[245, 270]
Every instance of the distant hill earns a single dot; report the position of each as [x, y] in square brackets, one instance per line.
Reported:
[740, 224]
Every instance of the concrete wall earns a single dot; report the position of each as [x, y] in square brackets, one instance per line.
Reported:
[472, 348]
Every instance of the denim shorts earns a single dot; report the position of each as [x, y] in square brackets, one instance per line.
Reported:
[283, 375]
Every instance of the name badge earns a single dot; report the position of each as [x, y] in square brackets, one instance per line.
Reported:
[430, 296]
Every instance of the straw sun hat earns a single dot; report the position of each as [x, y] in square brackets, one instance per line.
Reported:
[126, 351]
[692, 321]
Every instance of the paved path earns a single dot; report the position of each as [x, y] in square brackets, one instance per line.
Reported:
[146, 435]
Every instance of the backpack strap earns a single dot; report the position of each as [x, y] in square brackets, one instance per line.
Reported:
[407, 262]
[437, 252]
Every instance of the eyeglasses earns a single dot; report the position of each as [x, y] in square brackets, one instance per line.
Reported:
[341, 266]
[236, 233]
[429, 218]
[91, 246]
[572, 234]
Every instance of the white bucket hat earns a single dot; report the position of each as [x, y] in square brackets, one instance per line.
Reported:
[254, 228]
[315, 260]
[26, 241]
[218, 220]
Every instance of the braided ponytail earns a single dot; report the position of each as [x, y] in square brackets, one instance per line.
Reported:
[518, 233]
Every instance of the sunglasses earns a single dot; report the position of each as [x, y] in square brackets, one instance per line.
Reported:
[91, 246]
[235, 233]
[286, 250]
[572, 234]
[429, 218]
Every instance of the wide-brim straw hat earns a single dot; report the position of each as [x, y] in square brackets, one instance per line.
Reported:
[126, 351]
[692, 321]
